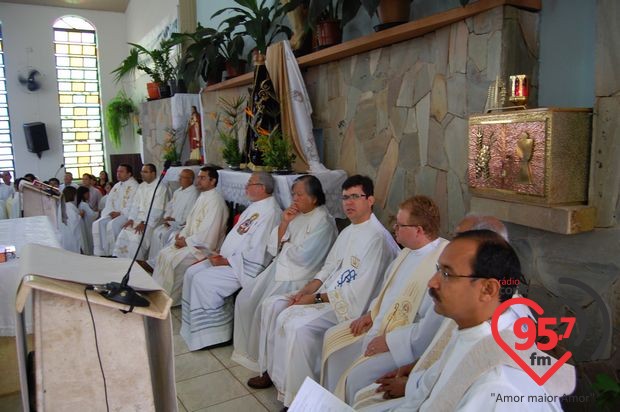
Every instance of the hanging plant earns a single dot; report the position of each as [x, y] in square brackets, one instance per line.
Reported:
[118, 113]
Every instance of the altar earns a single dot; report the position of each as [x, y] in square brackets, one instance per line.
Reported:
[232, 186]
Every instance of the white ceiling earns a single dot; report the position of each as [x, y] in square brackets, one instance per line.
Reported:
[104, 5]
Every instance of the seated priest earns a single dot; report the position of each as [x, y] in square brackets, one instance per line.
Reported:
[114, 214]
[394, 352]
[301, 241]
[204, 232]
[401, 301]
[340, 291]
[208, 304]
[6, 192]
[177, 209]
[137, 223]
[464, 368]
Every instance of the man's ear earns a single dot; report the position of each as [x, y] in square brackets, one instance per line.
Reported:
[371, 199]
[490, 290]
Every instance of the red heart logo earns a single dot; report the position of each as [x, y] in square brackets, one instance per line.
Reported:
[540, 380]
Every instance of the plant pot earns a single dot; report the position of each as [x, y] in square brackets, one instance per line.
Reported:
[177, 86]
[328, 33]
[233, 70]
[392, 13]
[214, 78]
[152, 89]
[164, 90]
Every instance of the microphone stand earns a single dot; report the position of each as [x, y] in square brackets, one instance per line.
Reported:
[61, 166]
[122, 292]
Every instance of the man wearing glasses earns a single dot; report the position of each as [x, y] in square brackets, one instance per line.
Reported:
[362, 344]
[340, 291]
[208, 286]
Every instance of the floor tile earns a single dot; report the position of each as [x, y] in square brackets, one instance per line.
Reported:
[179, 345]
[207, 390]
[176, 325]
[223, 354]
[269, 398]
[192, 364]
[245, 403]
[180, 406]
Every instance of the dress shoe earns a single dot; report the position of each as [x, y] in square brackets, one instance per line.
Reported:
[260, 382]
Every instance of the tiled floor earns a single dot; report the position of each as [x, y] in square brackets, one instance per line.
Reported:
[207, 381]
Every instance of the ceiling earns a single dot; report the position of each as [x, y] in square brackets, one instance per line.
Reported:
[104, 5]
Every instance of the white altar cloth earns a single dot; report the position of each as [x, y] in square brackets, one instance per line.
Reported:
[19, 232]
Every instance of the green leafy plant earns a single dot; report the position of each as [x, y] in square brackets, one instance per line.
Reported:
[258, 20]
[118, 113]
[276, 150]
[156, 63]
[202, 57]
[607, 391]
[227, 126]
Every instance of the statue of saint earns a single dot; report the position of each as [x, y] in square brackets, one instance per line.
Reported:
[194, 132]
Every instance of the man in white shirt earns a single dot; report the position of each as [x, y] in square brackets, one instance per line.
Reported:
[114, 214]
[68, 181]
[204, 231]
[208, 305]
[402, 300]
[177, 210]
[464, 368]
[137, 223]
[6, 192]
[341, 291]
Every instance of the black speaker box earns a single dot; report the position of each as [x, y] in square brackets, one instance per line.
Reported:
[36, 137]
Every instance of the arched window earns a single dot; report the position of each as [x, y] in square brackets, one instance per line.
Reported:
[6, 147]
[75, 46]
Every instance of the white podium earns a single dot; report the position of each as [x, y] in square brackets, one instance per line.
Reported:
[38, 202]
[135, 349]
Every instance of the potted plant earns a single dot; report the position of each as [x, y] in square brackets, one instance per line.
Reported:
[228, 133]
[118, 113]
[231, 50]
[257, 20]
[276, 150]
[325, 18]
[202, 57]
[155, 63]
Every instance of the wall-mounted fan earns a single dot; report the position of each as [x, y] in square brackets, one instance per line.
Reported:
[30, 78]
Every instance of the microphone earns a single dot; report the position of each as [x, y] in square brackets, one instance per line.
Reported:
[60, 167]
[122, 292]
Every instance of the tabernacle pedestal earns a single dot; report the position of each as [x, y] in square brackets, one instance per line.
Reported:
[135, 349]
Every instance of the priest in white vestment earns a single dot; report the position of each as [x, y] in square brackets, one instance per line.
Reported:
[402, 299]
[204, 232]
[341, 291]
[208, 305]
[6, 192]
[396, 351]
[138, 222]
[301, 241]
[177, 210]
[464, 368]
[114, 214]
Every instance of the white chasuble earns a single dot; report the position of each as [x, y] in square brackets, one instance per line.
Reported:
[208, 309]
[351, 276]
[128, 239]
[178, 208]
[105, 229]
[399, 303]
[205, 228]
[305, 245]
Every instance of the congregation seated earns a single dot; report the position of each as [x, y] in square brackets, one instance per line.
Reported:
[293, 325]
[204, 232]
[208, 286]
[137, 220]
[300, 244]
[175, 215]
[114, 215]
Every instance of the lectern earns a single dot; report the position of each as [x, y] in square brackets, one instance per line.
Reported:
[38, 200]
[135, 349]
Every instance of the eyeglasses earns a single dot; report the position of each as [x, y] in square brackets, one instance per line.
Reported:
[445, 275]
[254, 184]
[398, 226]
[354, 196]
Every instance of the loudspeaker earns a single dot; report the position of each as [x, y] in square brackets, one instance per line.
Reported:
[36, 137]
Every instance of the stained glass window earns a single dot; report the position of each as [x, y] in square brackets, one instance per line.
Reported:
[75, 46]
[6, 146]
